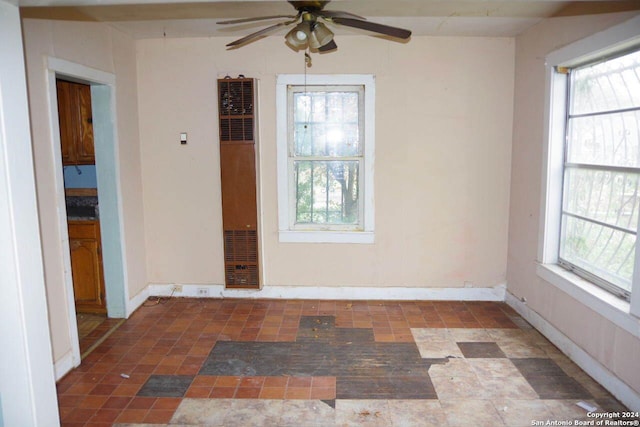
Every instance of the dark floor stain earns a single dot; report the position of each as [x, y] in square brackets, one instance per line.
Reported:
[330, 402]
[484, 350]
[549, 380]
[166, 386]
[364, 369]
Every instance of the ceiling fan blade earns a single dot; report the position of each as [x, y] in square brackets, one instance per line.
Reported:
[338, 14]
[372, 26]
[257, 34]
[259, 18]
[327, 47]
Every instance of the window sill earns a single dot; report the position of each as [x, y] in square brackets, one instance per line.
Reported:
[360, 237]
[597, 299]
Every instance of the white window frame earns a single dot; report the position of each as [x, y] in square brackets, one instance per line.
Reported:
[600, 45]
[286, 232]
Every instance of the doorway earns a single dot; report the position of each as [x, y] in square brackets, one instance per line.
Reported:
[107, 230]
[75, 120]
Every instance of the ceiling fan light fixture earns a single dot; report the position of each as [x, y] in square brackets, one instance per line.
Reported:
[320, 35]
[299, 36]
[310, 32]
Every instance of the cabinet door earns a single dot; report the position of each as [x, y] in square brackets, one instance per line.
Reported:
[86, 267]
[76, 123]
[85, 152]
[66, 121]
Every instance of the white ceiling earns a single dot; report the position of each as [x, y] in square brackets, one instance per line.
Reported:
[172, 18]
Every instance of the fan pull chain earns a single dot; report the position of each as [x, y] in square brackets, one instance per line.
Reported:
[307, 64]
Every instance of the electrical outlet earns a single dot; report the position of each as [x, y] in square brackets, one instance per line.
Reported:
[176, 288]
[203, 292]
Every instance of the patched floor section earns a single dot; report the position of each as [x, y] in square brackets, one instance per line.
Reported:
[213, 362]
[363, 368]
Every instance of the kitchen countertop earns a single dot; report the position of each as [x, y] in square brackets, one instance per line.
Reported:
[82, 208]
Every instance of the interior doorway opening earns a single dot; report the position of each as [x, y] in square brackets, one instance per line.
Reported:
[108, 232]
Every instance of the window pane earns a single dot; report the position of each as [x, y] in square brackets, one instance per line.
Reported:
[611, 85]
[327, 192]
[609, 139]
[326, 124]
[609, 197]
[602, 251]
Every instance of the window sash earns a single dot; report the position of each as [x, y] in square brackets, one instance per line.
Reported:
[294, 157]
[590, 272]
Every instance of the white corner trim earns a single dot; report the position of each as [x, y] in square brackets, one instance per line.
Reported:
[587, 363]
[335, 293]
[607, 305]
[134, 303]
[83, 72]
[65, 364]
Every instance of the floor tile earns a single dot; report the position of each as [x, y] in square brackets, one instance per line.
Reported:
[453, 367]
[549, 380]
[363, 368]
[522, 413]
[234, 362]
[480, 350]
[367, 413]
[310, 413]
[508, 387]
[487, 369]
[166, 386]
[396, 387]
[568, 408]
[416, 413]
[254, 412]
[563, 387]
[458, 387]
[520, 350]
[468, 412]
[469, 335]
[438, 349]
[210, 412]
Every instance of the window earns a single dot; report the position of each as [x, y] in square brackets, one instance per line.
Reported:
[602, 172]
[325, 158]
[588, 246]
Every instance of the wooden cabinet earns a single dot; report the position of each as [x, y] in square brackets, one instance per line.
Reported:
[76, 123]
[238, 177]
[86, 266]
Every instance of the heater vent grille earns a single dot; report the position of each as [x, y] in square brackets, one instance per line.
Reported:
[240, 245]
[241, 275]
[234, 129]
[238, 181]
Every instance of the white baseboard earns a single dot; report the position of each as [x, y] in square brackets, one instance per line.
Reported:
[591, 366]
[137, 301]
[63, 365]
[332, 293]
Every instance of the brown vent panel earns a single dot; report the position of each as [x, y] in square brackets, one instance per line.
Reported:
[241, 258]
[241, 275]
[238, 182]
[236, 129]
[240, 246]
[236, 97]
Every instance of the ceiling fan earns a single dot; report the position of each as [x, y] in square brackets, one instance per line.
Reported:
[310, 31]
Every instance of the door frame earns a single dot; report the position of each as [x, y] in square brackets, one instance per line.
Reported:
[103, 88]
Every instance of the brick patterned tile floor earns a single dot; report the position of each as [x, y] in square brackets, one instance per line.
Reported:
[162, 363]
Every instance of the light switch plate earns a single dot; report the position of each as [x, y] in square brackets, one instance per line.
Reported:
[183, 138]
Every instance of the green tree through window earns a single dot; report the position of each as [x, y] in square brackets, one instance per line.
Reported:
[326, 154]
